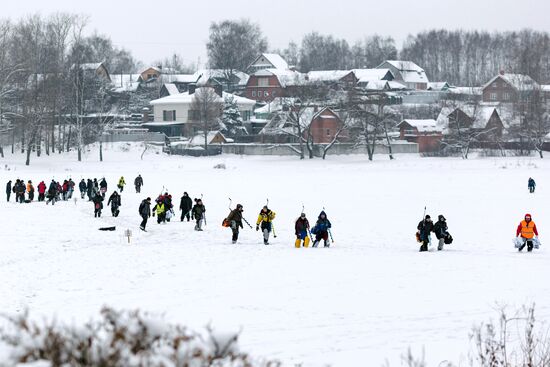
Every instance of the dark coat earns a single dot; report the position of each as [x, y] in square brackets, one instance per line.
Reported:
[440, 229]
[186, 204]
[114, 200]
[237, 216]
[138, 181]
[8, 187]
[302, 224]
[198, 211]
[98, 200]
[425, 227]
[82, 185]
[145, 208]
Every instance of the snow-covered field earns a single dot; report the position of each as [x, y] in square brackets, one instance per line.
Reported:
[367, 298]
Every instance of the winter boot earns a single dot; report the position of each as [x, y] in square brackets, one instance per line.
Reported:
[297, 243]
[529, 246]
[315, 243]
[327, 244]
[306, 242]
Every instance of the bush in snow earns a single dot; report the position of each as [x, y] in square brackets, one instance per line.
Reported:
[118, 339]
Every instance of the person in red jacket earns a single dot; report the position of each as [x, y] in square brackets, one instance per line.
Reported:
[41, 191]
[527, 230]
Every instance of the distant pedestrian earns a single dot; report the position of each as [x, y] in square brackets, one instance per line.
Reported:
[138, 182]
[144, 212]
[531, 185]
[8, 190]
[186, 204]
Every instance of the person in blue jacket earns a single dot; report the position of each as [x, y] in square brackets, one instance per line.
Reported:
[321, 229]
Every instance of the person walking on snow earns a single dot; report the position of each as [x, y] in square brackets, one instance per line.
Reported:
[265, 218]
[235, 219]
[425, 228]
[98, 205]
[8, 190]
[102, 187]
[82, 187]
[20, 190]
[144, 212]
[198, 213]
[160, 211]
[121, 183]
[52, 192]
[440, 230]
[531, 185]
[526, 232]
[301, 228]
[138, 182]
[186, 204]
[90, 189]
[41, 191]
[114, 201]
[30, 190]
[321, 230]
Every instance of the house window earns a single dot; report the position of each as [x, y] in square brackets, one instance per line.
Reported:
[192, 115]
[328, 132]
[253, 93]
[263, 82]
[495, 84]
[266, 93]
[493, 96]
[169, 115]
[245, 115]
[506, 96]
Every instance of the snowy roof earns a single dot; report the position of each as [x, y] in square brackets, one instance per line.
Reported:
[286, 77]
[155, 68]
[171, 88]
[377, 85]
[179, 78]
[125, 82]
[474, 91]
[201, 77]
[423, 126]
[91, 65]
[438, 86]
[480, 113]
[396, 85]
[520, 82]
[366, 75]
[327, 75]
[545, 87]
[284, 122]
[186, 98]
[198, 139]
[404, 65]
[410, 72]
[273, 61]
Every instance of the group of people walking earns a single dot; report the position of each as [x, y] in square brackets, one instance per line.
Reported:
[25, 192]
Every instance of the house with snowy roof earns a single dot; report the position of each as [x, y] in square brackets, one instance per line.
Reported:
[426, 133]
[323, 123]
[509, 88]
[267, 61]
[407, 73]
[267, 84]
[476, 117]
[98, 69]
[175, 115]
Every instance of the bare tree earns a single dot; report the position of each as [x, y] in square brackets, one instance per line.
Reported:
[207, 107]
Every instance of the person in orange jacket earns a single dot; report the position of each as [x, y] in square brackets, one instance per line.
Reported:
[527, 230]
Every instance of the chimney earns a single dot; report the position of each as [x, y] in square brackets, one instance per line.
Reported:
[191, 88]
[501, 72]
[218, 88]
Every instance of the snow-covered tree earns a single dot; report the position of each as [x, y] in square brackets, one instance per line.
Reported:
[232, 121]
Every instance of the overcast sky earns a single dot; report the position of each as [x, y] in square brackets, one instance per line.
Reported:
[155, 29]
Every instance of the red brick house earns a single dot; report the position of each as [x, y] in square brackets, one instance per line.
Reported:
[425, 133]
[509, 88]
[268, 84]
[325, 124]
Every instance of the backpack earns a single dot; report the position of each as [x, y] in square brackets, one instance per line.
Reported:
[448, 239]
[315, 230]
[97, 205]
[226, 223]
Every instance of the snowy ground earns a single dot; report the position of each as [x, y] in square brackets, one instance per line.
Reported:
[367, 298]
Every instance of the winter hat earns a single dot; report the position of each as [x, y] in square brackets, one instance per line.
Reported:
[148, 199]
[302, 215]
[428, 217]
[441, 217]
[239, 206]
[528, 216]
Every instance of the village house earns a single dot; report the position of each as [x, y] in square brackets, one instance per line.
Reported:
[267, 84]
[407, 73]
[322, 123]
[480, 118]
[174, 114]
[509, 88]
[267, 61]
[426, 133]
